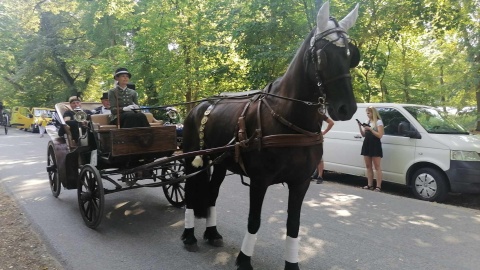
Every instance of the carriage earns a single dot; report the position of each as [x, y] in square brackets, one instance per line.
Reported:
[108, 159]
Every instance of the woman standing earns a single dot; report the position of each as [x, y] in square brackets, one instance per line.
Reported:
[123, 103]
[372, 147]
[42, 123]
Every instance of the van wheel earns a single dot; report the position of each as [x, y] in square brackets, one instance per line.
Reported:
[429, 184]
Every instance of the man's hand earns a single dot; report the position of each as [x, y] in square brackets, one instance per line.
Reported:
[127, 109]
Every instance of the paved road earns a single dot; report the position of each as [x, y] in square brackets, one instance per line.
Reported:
[343, 227]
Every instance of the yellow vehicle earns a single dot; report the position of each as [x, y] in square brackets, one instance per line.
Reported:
[27, 119]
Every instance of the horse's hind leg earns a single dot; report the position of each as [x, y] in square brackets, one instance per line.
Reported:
[211, 234]
[296, 194]
[257, 194]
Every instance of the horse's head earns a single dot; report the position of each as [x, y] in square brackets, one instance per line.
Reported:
[329, 59]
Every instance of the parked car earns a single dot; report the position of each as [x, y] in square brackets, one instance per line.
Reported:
[421, 149]
[27, 118]
[467, 110]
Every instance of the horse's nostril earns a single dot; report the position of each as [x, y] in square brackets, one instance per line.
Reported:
[342, 111]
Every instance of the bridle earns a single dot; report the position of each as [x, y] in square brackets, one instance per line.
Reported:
[315, 56]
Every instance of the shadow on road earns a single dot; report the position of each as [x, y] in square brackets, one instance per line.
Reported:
[462, 200]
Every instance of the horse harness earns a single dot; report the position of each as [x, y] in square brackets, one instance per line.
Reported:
[242, 142]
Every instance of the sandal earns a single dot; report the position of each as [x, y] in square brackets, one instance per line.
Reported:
[377, 189]
[368, 187]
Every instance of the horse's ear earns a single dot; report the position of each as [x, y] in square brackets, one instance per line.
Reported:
[350, 19]
[323, 17]
[355, 52]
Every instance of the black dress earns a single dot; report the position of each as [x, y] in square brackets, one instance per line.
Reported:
[372, 146]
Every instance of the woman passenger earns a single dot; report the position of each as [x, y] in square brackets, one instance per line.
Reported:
[124, 102]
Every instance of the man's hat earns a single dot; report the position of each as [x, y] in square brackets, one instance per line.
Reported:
[104, 96]
[121, 71]
[74, 98]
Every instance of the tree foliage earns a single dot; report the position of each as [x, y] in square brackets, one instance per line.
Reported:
[422, 51]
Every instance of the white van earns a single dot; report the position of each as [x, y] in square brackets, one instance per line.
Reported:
[421, 149]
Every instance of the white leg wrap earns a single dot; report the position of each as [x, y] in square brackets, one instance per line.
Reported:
[291, 249]
[212, 217]
[189, 219]
[249, 243]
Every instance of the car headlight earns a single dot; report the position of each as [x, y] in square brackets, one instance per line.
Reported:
[465, 155]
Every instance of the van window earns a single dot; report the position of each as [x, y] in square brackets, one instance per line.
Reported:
[393, 121]
[433, 122]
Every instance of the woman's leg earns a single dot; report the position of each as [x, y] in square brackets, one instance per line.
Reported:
[368, 165]
[377, 162]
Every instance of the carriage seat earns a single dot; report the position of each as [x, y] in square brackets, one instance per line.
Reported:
[101, 122]
[152, 121]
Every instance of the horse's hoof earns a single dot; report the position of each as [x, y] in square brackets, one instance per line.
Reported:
[212, 237]
[215, 242]
[191, 247]
[291, 266]
[243, 262]
[189, 240]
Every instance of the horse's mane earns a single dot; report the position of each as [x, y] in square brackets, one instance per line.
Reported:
[301, 49]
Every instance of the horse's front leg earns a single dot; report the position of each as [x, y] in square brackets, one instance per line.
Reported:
[257, 195]
[196, 204]
[211, 234]
[296, 194]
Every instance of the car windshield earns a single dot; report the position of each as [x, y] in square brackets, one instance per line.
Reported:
[38, 112]
[433, 122]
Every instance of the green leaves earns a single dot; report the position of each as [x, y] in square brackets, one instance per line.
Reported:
[423, 51]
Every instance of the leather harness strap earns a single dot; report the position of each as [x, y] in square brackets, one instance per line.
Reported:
[257, 140]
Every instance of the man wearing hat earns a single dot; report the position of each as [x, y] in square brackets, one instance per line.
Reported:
[124, 103]
[72, 126]
[105, 108]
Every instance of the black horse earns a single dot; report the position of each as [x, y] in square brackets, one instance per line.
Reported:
[272, 136]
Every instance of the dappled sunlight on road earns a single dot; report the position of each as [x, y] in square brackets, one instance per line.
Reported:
[426, 223]
[310, 247]
[335, 203]
[128, 208]
[222, 258]
[22, 162]
[333, 199]
[476, 218]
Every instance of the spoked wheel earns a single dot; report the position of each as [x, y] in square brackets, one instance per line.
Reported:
[52, 170]
[175, 193]
[91, 196]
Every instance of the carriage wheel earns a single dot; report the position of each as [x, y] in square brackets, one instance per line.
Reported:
[52, 170]
[91, 197]
[175, 193]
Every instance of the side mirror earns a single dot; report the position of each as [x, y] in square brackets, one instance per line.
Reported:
[30, 115]
[414, 134]
[407, 130]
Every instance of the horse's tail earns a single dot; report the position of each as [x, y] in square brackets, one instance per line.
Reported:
[197, 190]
